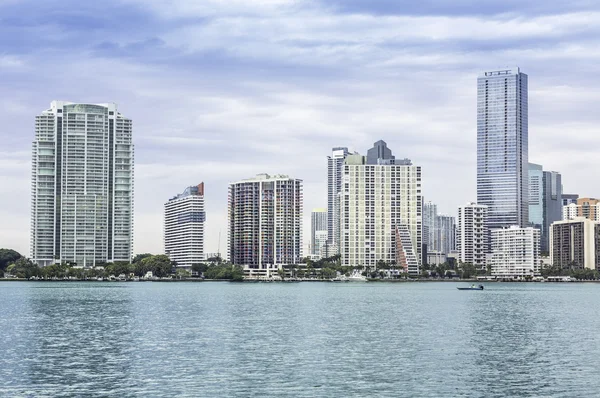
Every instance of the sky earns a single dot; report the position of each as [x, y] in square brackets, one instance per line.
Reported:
[219, 91]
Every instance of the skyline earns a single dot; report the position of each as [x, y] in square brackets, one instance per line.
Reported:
[250, 103]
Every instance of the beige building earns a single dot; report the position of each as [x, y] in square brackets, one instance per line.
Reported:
[584, 207]
[381, 211]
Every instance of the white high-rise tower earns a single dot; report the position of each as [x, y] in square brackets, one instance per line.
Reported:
[82, 185]
[184, 227]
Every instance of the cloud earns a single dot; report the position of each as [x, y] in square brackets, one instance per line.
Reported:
[219, 91]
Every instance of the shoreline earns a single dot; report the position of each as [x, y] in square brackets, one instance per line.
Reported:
[296, 281]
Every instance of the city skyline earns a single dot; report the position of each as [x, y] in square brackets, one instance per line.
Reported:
[282, 110]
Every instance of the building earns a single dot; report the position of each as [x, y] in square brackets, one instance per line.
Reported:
[472, 234]
[82, 185]
[445, 234]
[265, 223]
[515, 252]
[568, 198]
[430, 226]
[575, 243]
[335, 168]
[435, 258]
[318, 230]
[584, 207]
[380, 152]
[502, 147]
[545, 201]
[381, 212]
[184, 227]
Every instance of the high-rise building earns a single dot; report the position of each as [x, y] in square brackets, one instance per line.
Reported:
[575, 243]
[445, 236]
[472, 234]
[429, 226]
[545, 201]
[584, 207]
[318, 230]
[184, 227]
[82, 185]
[502, 147]
[515, 252]
[335, 167]
[265, 223]
[381, 216]
[568, 198]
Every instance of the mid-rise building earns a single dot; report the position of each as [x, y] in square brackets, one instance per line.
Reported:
[184, 227]
[265, 223]
[82, 185]
[584, 207]
[381, 212]
[502, 147]
[472, 235]
[545, 201]
[335, 169]
[515, 252]
[575, 243]
[568, 198]
[318, 230]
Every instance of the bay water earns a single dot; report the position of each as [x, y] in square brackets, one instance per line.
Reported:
[219, 339]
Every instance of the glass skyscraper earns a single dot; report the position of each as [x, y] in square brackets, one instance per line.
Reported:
[502, 147]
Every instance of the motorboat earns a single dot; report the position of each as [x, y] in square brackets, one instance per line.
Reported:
[472, 287]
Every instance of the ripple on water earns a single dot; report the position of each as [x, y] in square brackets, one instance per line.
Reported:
[298, 340]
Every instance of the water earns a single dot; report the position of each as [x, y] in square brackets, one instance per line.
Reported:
[299, 340]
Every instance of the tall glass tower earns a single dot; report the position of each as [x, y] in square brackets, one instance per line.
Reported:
[502, 154]
[81, 185]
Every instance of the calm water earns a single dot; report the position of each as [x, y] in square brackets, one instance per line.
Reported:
[299, 340]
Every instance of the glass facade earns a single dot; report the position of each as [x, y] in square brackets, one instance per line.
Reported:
[502, 153]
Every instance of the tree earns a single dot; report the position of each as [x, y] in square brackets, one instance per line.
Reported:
[23, 268]
[160, 265]
[467, 270]
[8, 257]
[140, 257]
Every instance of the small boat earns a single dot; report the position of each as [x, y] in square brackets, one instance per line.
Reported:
[472, 287]
[357, 277]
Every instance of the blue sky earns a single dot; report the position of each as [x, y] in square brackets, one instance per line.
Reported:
[221, 90]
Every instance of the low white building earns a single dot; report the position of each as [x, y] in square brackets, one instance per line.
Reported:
[515, 252]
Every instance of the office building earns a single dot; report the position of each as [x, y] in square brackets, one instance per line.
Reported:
[575, 243]
[381, 217]
[184, 227]
[472, 235]
[335, 167]
[318, 230]
[430, 226]
[545, 201]
[515, 252]
[82, 185]
[502, 147]
[265, 223]
[584, 207]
